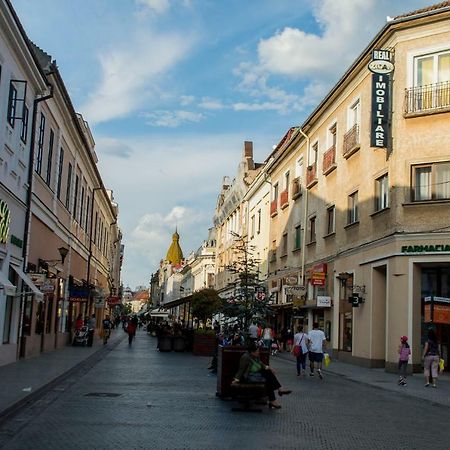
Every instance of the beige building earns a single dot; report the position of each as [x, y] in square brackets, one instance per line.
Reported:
[372, 220]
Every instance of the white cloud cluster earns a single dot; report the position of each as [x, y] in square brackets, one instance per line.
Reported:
[157, 6]
[131, 74]
[317, 59]
[172, 118]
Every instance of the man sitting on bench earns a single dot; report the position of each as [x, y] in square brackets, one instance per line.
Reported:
[252, 370]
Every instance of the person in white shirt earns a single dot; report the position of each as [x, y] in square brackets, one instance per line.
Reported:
[317, 343]
[253, 331]
[300, 350]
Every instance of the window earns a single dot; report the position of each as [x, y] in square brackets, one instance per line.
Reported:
[286, 181]
[12, 104]
[432, 69]
[275, 192]
[314, 154]
[258, 229]
[431, 181]
[331, 220]
[332, 135]
[68, 187]
[284, 244]
[40, 145]
[81, 206]
[312, 229]
[354, 114]
[88, 202]
[382, 193]
[273, 251]
[50, 157]
[297, 237]
[60, 171]
[24, 130]
[252, 226]
[75, 198]
[352, 208]
[299, 168]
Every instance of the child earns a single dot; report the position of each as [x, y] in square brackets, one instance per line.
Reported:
[403, 356]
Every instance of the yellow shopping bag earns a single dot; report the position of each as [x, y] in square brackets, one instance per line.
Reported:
[441, 365]
[326, 359]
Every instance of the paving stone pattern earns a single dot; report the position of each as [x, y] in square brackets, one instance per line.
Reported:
[138, 398]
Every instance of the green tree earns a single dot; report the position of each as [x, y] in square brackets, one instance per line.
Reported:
[205, 304]
[249, 301]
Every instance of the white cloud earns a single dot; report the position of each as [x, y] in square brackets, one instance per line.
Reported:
[172, 118]
[211, 103]
[186, 100]
[156, 6]
[314, 60]
[131, 74]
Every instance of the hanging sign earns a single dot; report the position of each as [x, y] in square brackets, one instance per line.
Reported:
[5, 219]
[381, 66]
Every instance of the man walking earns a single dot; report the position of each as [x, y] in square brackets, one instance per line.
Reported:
[91, 323]
[317, 343]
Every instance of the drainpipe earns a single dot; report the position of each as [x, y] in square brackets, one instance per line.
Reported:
[27, 226]
[305, 214]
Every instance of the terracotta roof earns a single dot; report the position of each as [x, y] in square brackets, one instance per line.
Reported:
[425, 10]
[141, 295]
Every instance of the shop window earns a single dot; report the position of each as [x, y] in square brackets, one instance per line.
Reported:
[27, 314]
[431, 181]
[39, 326]
[381, 193]
[9, 303]
[48, 322]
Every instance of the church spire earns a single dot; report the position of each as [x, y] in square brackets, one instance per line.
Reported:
[175, 254]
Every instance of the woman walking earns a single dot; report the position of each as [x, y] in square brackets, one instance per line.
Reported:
[431, 359]
[300, 351]
[403, 357]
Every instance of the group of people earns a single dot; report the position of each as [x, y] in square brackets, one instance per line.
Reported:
[430, 356]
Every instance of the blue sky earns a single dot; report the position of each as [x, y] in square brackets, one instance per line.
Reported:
[172, 88]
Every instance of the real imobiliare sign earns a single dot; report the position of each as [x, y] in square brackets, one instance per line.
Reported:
[381, 67]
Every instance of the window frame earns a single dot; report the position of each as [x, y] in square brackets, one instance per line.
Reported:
[352, 208]
[312, 229]
[69, 186]
[40, 144]
[331, 227]
[382, 192]
[24, 128]
[433, 193]
[60, 172]
[51, 140]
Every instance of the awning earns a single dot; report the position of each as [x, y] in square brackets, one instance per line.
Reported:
[178, 302]
[6, 285]
[159, 313]
[27, 280]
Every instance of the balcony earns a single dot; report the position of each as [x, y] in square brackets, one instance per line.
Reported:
[329, 160]
[273, 208]
[351, 141]
[429, 99]
[311, 175]
[284, 199]
[296, 188]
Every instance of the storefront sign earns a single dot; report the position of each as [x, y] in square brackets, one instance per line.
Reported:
[381, 66]
[437, 310]
[16, 241]
[5, 219]
[425, 248]
[291, 280]
[38, 279]
[323, 301]
[318, 275]
[77, 299]
[295, 290]
[47, 287]
[79, 292]
[113, 300]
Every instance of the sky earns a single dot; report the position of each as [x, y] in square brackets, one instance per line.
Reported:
[171, 89]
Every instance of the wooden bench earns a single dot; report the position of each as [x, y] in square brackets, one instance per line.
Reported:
[248, 394]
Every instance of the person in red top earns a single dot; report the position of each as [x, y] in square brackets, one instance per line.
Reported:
[131, 329]
[79, 323]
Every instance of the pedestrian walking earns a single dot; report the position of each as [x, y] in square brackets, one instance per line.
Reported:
[267, 336]
[131, 329]
[289, 339]
[300, 350]
[253, 331]
[91, 323]
[403, 357]
[107, 325]
[317, 341]
[431, 359]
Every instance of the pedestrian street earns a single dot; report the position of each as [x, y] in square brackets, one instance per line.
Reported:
[135, 397]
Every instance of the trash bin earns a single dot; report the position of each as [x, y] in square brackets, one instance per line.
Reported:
[165, 343]
[179, 344]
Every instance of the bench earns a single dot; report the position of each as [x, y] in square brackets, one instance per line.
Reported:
[247, 394]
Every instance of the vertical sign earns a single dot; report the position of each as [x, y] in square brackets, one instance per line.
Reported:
[4, 222]
[381, 67]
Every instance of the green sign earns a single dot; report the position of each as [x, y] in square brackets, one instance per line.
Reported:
[16, 241]
[5, 219]
[425, 248]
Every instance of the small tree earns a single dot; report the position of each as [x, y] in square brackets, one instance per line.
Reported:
[249, 301]
[205, 304]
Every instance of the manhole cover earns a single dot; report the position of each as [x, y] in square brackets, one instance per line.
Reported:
[102, 394]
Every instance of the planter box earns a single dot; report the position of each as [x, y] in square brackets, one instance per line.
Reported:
[204, 344]
[228, 364]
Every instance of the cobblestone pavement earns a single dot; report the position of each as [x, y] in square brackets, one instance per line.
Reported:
[137, 398]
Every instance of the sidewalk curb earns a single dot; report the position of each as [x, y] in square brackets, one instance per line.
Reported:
[34, 396]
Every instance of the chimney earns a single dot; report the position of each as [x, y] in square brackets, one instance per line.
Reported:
[248, 155]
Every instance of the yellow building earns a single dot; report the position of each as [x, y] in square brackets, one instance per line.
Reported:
[360, 203]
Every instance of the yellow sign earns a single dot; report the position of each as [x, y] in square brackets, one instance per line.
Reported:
[4, 222]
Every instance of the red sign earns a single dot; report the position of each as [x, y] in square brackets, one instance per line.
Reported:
[441, 313]
[318, 275]
[113, 300]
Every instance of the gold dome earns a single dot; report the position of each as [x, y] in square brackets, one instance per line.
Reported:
[175, 254]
